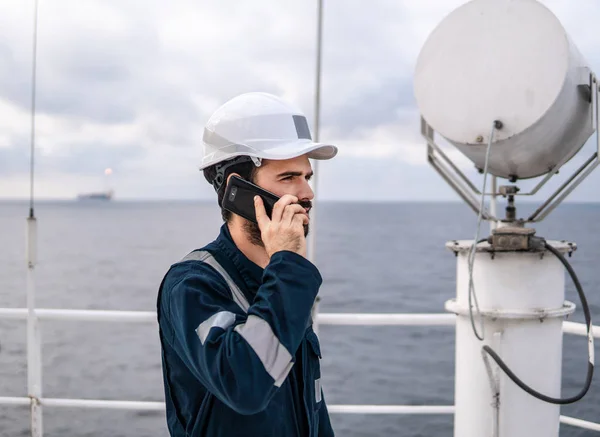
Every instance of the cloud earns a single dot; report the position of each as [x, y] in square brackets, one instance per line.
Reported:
[130, 84]
[14, 159]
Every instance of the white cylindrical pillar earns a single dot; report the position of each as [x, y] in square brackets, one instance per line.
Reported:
[34, 346]
[521, 302]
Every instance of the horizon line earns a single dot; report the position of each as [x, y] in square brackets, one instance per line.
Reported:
[190, 200]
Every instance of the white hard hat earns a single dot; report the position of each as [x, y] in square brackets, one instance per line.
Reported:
[261, 126]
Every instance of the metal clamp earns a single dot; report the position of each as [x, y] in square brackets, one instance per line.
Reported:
[528, 314]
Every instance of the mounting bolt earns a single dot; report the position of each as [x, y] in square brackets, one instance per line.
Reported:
[498, 124]
[479, 139]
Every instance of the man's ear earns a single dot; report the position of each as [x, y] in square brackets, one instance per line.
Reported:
[229, 177]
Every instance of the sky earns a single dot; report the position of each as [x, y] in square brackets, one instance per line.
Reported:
[129, 85]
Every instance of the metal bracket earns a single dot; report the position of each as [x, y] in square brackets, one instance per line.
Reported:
[454, 177]
[467, 191]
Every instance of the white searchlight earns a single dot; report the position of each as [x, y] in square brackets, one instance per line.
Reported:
[509, 61]
[502, 82]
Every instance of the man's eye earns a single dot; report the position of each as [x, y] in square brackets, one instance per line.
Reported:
[287, 178]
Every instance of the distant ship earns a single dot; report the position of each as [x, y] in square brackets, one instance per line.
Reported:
[103, 196]
[106, 196]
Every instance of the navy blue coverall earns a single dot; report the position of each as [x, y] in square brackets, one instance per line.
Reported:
[239, 354]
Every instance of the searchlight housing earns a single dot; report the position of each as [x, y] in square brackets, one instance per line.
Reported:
[508, 64]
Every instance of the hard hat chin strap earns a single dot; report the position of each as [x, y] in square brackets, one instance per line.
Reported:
[222, 167]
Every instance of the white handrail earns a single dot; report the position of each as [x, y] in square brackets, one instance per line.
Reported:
[81, 315]
[422, 319]
[335, 409]
[580, 423]
[14, 401]
[580, 329]
[336, 319]
[111, 405]
[391, 409]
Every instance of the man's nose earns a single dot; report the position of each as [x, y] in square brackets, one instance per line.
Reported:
[307, 192]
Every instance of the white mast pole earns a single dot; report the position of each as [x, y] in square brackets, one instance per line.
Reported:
[34, 365]
[317, 115]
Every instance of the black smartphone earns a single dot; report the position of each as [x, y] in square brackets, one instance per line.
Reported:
[239, 198]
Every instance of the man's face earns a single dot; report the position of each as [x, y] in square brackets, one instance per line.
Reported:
[288, 176]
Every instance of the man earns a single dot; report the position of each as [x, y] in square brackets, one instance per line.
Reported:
[240, 357]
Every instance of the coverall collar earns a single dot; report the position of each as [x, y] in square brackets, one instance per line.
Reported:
[250, 272]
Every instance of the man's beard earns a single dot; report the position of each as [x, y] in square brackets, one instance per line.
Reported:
[253, 230]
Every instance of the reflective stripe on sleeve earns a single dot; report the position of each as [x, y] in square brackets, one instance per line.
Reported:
[274, 356]
[223, 320]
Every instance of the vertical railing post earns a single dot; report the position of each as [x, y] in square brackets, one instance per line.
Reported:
[34, 365]
[34, 347]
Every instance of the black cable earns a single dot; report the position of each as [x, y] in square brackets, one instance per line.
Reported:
[588, 322]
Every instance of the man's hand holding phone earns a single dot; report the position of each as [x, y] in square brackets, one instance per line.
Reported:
[285, 229]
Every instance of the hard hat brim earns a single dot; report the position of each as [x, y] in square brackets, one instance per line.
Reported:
[301, 147]
[282, 151]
